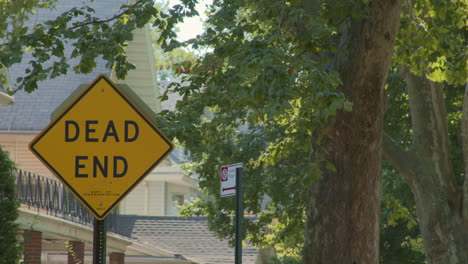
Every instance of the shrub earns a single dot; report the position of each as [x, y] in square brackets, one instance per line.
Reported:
[9, 246]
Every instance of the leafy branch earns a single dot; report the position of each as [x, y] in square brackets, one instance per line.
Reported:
[100, 21]
[56, 46]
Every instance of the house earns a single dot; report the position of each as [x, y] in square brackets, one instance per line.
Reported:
[162, 191]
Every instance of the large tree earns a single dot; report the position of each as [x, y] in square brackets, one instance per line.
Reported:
[400, 239]
[304, 82]
[428, 168]
[272, 74]
[432, 62]
[343, 207]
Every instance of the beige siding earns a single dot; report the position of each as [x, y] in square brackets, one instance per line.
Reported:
[146, 199]
[134, 203]
[17, 146]
[143, 80]
[155, 198]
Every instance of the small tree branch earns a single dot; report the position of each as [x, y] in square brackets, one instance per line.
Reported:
[100, 21]
[400, 158]
[431, 138]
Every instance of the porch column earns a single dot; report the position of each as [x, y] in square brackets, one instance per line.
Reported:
[117, 258]
[32, 246]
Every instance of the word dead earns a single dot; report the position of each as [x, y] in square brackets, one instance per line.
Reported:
[93, 131]
[73, 131]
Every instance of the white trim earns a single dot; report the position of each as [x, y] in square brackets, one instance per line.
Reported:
[18, 132]
[6, 100]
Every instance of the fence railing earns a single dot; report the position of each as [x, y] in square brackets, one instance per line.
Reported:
[52, 198]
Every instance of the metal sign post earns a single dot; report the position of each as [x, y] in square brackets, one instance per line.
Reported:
[99, 241]
[239, 216]
[231, 184]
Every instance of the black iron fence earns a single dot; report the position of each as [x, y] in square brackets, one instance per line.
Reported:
[52, 198]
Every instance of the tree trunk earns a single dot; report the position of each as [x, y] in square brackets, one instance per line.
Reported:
[428, 170]
[342, 224]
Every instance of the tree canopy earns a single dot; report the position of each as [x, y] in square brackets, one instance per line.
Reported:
[268, 95]
[257, 98]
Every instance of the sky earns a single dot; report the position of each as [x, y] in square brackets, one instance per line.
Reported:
[194, 25]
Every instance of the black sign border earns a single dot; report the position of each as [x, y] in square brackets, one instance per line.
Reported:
[67, 109]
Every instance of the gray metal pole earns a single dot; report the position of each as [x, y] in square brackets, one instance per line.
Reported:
[99, 241]
[239, 216]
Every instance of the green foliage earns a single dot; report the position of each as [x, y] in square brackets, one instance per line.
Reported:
[400, 240]
[171, 64]
[9, 245]
[397, 120]
[260, 96]
[263, 96]
[432, 40]
[287, 261]
[431, 43]
[454, 103]
[91, 37]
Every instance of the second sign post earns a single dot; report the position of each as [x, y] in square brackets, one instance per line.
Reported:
[231, 184]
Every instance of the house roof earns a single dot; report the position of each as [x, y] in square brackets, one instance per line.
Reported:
[31, 112]
[189, 237]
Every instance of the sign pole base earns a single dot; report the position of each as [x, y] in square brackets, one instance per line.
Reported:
[99, 241]
[239, 216]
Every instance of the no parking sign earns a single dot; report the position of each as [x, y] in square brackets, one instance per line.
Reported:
[228, 179]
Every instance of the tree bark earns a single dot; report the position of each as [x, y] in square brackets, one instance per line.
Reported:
[428, 169]
[342, 224]
[465, 157]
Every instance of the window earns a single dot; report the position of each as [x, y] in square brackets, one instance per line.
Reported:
[177, 199]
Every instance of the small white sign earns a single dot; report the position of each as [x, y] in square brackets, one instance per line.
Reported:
[228, 179]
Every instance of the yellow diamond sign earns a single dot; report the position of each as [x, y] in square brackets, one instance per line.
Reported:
[102, 145]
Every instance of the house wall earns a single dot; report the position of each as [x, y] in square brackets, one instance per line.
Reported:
[143, 80]
[155, 195]
[17, 146]
[146, 199]
[176, 189]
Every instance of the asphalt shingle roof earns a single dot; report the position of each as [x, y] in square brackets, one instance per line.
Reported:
[31, 112]
[189, 237]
